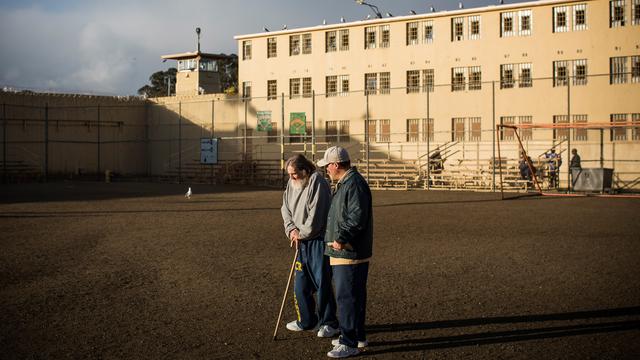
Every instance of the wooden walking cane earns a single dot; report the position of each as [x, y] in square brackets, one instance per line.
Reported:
[284, 298]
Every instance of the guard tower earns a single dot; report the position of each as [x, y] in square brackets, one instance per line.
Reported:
[198, 72]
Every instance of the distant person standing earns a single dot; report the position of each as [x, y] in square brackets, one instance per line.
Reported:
[554, 162]
[305, 204]
[574, 166]
[349, 240]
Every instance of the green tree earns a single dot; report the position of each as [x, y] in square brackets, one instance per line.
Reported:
[228, 67]
[158, 85]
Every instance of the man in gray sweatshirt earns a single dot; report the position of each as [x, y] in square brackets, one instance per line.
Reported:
[305, 204]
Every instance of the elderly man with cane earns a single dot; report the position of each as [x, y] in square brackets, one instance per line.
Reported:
[305, 204]
[349, 240]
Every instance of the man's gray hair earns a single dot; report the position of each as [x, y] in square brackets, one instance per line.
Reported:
[300, 163]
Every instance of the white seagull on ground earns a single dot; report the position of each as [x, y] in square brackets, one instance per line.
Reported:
[188, 194]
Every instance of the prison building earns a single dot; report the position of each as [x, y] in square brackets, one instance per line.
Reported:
[399, 88]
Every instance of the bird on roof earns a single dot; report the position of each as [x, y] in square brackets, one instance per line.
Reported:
[324, 22]
[341, 19]
[265, 29]
[284, 27]
[389, 15]
[188, 194]
[412, 12]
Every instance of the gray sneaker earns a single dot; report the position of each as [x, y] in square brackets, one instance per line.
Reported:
[326, 331]
[293, 326]
[361, 344]
[342, 351]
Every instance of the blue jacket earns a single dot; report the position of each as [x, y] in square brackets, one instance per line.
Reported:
[350, 219]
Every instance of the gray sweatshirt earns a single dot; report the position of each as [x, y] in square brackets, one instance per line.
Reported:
[306, 209]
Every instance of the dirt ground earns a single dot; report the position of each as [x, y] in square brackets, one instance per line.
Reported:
[136, 271]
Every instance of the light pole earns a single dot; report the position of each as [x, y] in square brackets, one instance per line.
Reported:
[373, 7]
[167, 80]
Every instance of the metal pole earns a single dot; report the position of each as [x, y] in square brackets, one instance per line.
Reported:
[601, 148]
[493, 114]
[46, 142]
[244, 140]
[98, 143]
[282, 169]
[313, 126]
[180, 142]
[4, 143]
[568, 137]
[213, 115]
[428, 143]
[366, 135]
[500, 159]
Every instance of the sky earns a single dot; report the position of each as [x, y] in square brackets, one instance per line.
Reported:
[112, 47]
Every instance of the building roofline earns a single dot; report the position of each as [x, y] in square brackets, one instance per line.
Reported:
[443, 13]
[189, 55]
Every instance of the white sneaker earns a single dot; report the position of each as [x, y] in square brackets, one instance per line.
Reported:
[361, 344]
[293, 326]
[327, 331]
[342, 351]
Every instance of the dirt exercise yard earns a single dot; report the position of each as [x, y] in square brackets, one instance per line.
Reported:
[136, 271]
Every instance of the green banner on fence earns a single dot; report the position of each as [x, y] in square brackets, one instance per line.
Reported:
[264, 120]
[298, 124]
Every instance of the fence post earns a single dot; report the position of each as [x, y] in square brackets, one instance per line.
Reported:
[213, 115]
[46, 142]
[244, 138]
[313, 126]
[493, 142]
[98, 174]
[366, 135]
[282, 169]
[4, 143]
[568, 138]
[180, 142]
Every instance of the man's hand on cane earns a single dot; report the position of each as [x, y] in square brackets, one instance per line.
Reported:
[294, 237]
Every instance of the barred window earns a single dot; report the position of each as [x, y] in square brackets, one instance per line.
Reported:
[370, 34]
[332, 86]
[458, 79]
[635, 69]
[385, 83]
[457, 29]
[272, 50]
[385, 36]
[636, 12]
[427, 27]
[618, 70]
[507, 134]
[330, 41]
[560, 134]
[457, 129]
[525, 75]
[635, 130]
[343, 85]
[506, 24]
[272, 89]
[372, 130]
[306, 87]
[246, 89]
[580, 72]
[526, 134]
[413, 81]
[616, 13]
[474, 27]
[560, 19]
[246, 50]
[344, 40]
[560, 73]
[412, 33]
[427, 80]
[427, 130]
[413, 130]
[526, 23]
[331, 132]
[475, 78]
[475, 125]
[371, 83]
[379, 130]
[506, 76]
[294, 88]
[294, 45]
[580, 134]
[618, 133]
[306, 43]
[343, 131]
[580, 17]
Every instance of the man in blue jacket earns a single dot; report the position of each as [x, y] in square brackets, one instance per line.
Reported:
[349, 240]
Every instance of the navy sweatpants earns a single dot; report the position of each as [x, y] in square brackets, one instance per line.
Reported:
[313, 276]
